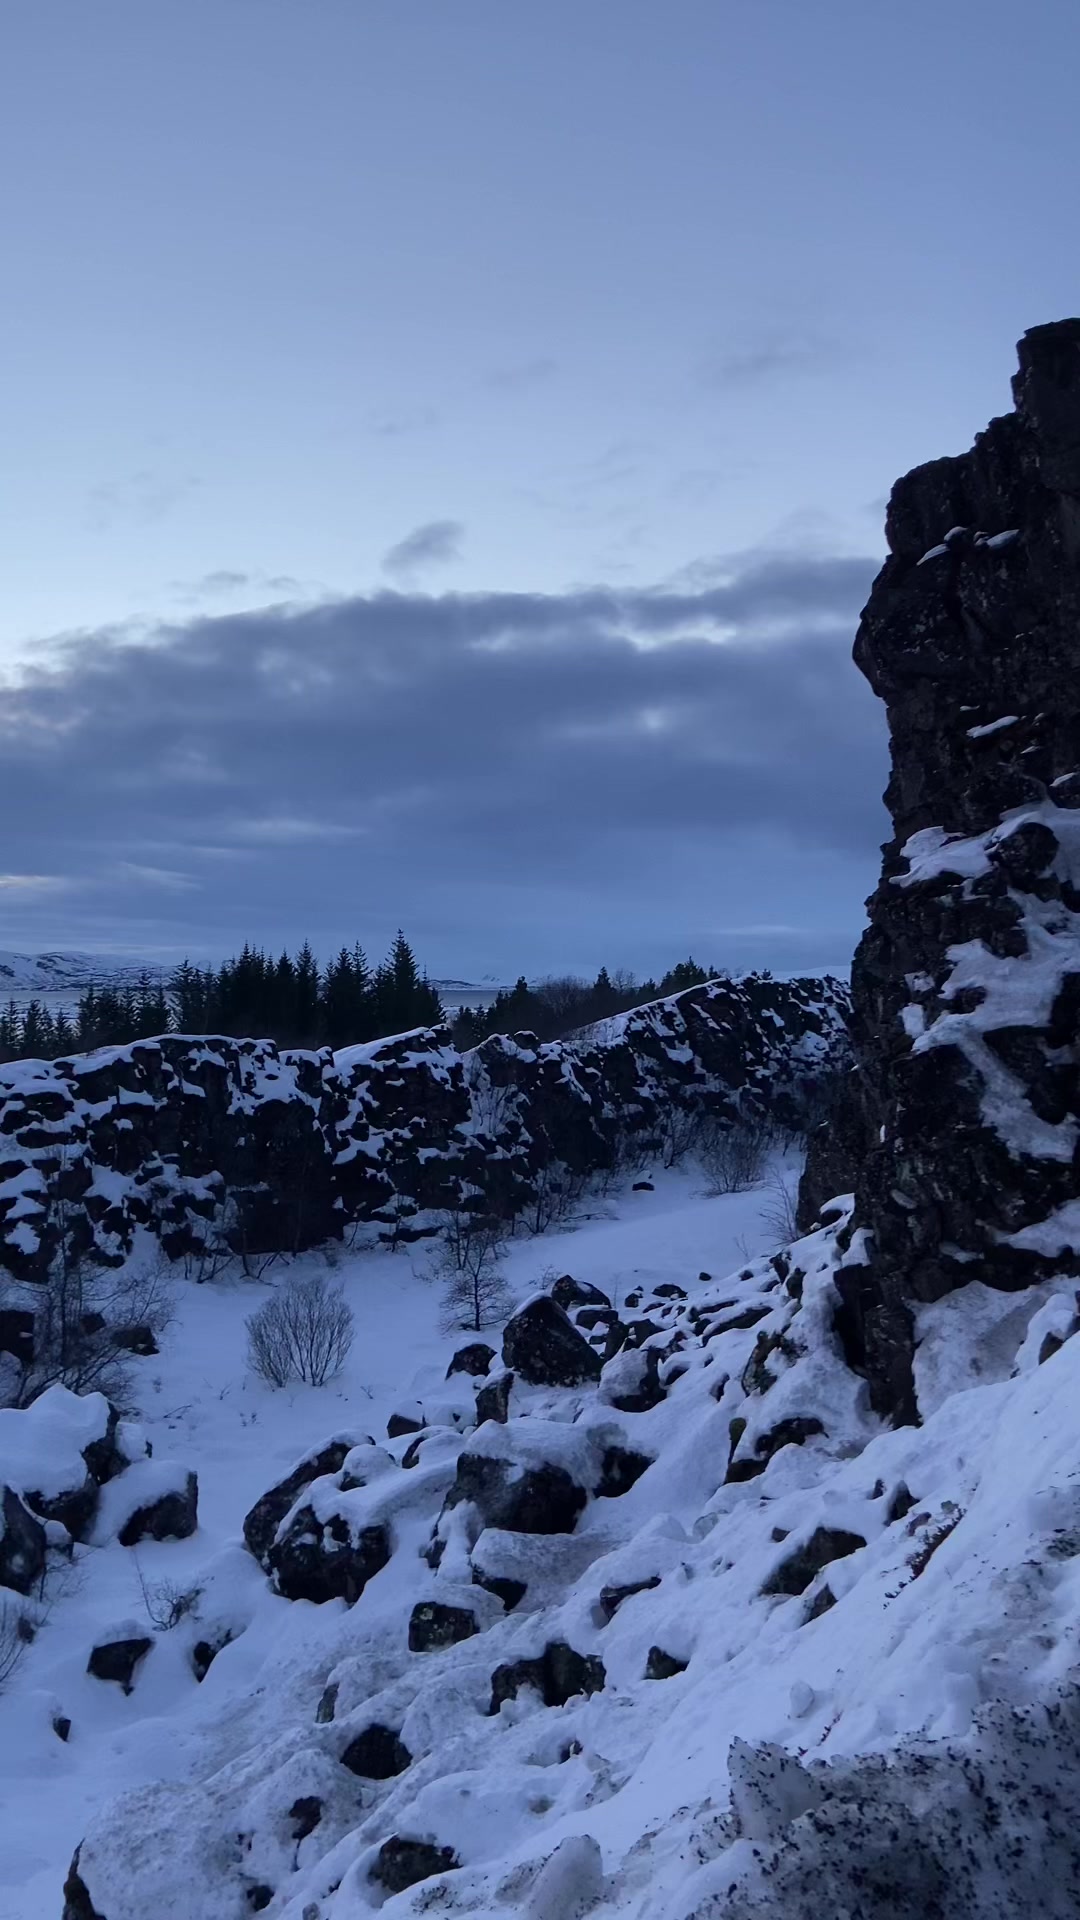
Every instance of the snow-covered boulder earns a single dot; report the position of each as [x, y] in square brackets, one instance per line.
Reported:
[542, 1344]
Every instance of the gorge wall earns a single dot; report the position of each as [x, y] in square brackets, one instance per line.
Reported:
[224, 1147]
[958, 1129]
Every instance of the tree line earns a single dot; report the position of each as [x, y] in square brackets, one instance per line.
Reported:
[297, 1003]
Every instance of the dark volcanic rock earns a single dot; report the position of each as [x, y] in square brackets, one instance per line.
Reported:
[174, 1517]
[557, 1674]
[403, 1863]
[117, 1659]
[957, 1129]
[434, 1625]
[476, 1358]
[620, 1469]
[568, 1293]
[542, 1345]
[611, 1598]
[377, 1753]
[22, 1544]
[541, 1499]
[323, 1560]
[269, 1511]
[663, 1666]
[77, 1902]
[826, 1544]
[493, 1400]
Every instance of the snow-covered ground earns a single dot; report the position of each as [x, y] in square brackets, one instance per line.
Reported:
[200, 1405]
[826, 1684]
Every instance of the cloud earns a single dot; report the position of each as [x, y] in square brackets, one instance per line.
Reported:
[139, 499]
[435, 544]
[775, 356]
[520, 375]
[390, 423]
[524, 781]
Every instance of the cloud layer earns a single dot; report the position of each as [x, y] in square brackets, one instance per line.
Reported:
[523, 780]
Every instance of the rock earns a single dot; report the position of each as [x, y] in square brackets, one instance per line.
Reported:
[957, 1139]
[402, 1863]
[541, 1499]
[259, 1896]
[174, 1516]
[632, 1382]
[643, 1186]
[17, 1334]
[663, 1666]
[320, 1561]
[493, 1400]
[377, 1753]
[557, 1675]
[433, 1626]
[136, 1340]
[118, 1659]
[402, 1422]
[205, 1652]
[568, 1293]
[667, 1290]
[510, 1592]
[61, 1726]
[611, 1598]
[77, 1902]
[305, 1814]
[621, 1468]
[269, 1511]
[476, 1358]
[76, 1510]
[542, 1344]
[22, 1545]
[825, 1544]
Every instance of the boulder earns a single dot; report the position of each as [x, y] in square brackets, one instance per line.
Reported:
[77, 1902]
[402, 1863]
[405, 1420]
[76, 1509]
[632, 1380]
[493, 1400]
[174, 1516]
[537, 1499]
[611, 1598]
[620, 1469]
[542, 1344]
[825, 1544]
[22, 1545]
[117, 1659]
[476, 1358]
[324, 1560]
[262, 1523]
[433, 1625]
[568, 1293]
[376, 1753]
[663, 1666]
[557, 1675]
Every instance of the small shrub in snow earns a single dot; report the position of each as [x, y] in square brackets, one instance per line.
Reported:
[734, 1155]
[780, 1214]
[474, 1291]
[16, 1634]
[166, 1602]
[304, 1332]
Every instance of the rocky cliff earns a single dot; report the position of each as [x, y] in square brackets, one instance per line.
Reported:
[959, 1128]
[229, 1147]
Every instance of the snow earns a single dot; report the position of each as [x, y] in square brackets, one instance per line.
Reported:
[41, 1448]
[753, 1782]
[993, 726]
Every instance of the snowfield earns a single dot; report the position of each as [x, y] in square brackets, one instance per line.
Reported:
[785, 1661]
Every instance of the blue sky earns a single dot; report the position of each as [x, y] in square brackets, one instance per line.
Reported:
[308, 304]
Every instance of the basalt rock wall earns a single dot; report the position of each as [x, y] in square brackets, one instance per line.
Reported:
[224, 1147]
[959, 1127]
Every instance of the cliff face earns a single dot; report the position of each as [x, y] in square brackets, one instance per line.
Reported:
[225, 1147]
[962, 1116]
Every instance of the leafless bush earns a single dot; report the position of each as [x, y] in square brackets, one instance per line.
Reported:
[467, 1263]
[780, 1214]
[734, 1154]
[681, 1129]
[85, 1316]
[556, 1195]
[16, 1634]
[303, 1332]
[166, 1602]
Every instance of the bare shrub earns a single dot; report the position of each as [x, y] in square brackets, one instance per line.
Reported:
[681, 1129]
[16, 1634]
[556, 1195]
[85, 1316]
[166, 1602]
[474, 1291]
[304, 1332]
[734, 1154]
[780, 1214]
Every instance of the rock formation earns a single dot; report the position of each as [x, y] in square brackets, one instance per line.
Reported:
[959, 1127]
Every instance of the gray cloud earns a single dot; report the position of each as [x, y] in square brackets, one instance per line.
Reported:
[435, 544]
[522, 374]
[777, 355]
[523, 780]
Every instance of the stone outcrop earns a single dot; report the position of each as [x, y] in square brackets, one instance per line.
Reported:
[959, 1129]
[234, 1149]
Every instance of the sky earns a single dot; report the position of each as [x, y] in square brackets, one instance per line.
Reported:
[444, 448]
